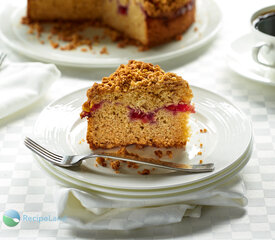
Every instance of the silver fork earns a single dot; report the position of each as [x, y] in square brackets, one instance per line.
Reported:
[75, 160]
[2, 58]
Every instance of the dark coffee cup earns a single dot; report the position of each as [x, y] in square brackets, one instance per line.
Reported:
[263, 29]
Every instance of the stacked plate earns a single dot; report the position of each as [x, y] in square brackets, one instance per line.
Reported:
[221, 134]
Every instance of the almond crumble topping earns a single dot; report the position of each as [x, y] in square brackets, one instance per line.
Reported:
[137, 74]
[155, 8]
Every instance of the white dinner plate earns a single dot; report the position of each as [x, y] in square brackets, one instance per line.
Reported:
[14, 34]
[228, 136]
[239, 59]
[70, 181]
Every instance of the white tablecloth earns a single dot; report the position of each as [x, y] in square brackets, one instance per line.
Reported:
[24, 187]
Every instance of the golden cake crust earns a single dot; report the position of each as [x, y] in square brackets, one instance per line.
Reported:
[136, 75]
[162, 30]
[157, 8]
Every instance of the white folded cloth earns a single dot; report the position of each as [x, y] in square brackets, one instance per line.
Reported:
[21, 84]
[93, 211]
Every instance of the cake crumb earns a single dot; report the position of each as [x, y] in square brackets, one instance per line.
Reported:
[84, 49]
[169, 154]
[201, 161]
[83, 140]
[203, 130]
[42, 42]
[138, 146]
[104, 50]
[54, 44]
[200, 153]
[143, 48]
[179, 37]
[80, 142]
[101, 161]
[196, 29]
[201, 145]
[132, 165]
[115, 165]
[158, 153]
[144, 172]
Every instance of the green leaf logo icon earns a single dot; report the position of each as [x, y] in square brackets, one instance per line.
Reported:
[11, 218]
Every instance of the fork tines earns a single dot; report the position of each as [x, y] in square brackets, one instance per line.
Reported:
[41, 151]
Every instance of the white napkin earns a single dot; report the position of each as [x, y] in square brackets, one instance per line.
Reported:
[90, 210]
[21, 84]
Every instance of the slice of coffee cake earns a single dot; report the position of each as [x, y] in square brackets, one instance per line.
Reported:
[138, 104]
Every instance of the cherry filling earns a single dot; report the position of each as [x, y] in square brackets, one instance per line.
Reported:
[150, 117]
[181, 108]
[135, 114]
[139, 115]
[123, 10]
[96, 106]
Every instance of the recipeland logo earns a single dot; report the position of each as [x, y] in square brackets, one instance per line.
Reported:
[11, 218]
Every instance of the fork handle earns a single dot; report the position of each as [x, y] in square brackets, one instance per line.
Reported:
[196, 168]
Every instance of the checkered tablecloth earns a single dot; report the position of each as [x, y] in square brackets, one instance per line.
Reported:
[24, 186]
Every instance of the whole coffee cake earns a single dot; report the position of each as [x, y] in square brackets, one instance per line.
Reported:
[150, 22]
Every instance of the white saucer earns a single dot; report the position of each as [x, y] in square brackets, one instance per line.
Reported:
[14, 34]
[239, 59]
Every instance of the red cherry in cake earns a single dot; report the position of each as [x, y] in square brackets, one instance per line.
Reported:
[180, 108]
